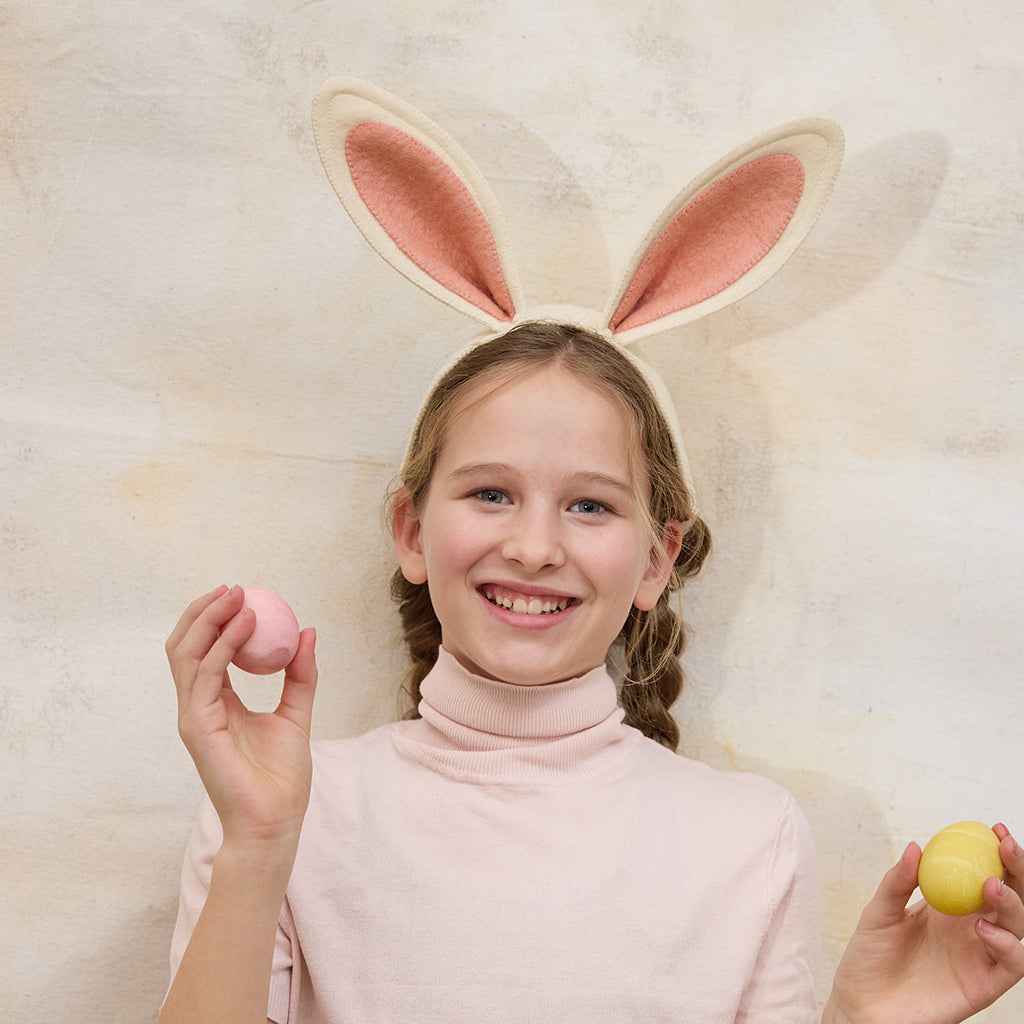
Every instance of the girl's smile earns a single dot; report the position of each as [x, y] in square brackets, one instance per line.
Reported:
[522, 609]
[532, 540]
[521, 602]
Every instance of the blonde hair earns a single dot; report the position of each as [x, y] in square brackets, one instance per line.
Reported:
[652, 641]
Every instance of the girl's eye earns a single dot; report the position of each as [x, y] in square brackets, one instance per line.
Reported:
[588, 507]
[491, 496]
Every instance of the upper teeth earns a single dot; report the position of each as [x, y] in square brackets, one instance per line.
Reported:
[533, 606]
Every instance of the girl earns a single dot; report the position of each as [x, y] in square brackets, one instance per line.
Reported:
[530, 848]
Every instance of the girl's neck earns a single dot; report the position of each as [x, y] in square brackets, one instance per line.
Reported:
[492, 731]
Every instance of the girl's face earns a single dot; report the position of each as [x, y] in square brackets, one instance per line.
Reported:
[531, 540]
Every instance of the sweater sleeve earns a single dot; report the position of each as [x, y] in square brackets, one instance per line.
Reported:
[781, 989]
[196, 872]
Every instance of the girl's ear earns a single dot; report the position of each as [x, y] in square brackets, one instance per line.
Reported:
[405, 527]
[659, 569]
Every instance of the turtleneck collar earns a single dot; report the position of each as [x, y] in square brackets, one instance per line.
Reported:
[482, 730]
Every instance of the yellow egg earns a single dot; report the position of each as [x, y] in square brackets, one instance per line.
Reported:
[955, 864]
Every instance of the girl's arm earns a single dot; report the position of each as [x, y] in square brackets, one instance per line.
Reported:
[257, 771]
[224, 975]
[919, 965]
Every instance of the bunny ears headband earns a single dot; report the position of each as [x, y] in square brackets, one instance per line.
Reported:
[424, 206]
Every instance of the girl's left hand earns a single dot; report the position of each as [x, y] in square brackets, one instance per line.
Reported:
[917, 966]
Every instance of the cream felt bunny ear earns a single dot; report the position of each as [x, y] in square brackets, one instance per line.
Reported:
[729, 230]
[418, 198]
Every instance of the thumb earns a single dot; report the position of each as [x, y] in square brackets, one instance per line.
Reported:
[300, 679]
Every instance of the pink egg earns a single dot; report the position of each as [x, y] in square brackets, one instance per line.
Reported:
[275, 639]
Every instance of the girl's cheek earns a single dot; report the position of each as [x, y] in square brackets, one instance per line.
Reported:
[463, 532]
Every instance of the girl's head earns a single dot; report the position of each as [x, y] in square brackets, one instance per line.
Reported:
[636, 448]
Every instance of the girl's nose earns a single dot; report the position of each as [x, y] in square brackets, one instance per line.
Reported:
[534, 541]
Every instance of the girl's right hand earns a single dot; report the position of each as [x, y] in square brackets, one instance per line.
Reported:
[256, 767]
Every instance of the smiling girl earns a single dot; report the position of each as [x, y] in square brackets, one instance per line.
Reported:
[588, 441]
[530, 848]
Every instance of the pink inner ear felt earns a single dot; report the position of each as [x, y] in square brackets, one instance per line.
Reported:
[429, 214]
[714, 240]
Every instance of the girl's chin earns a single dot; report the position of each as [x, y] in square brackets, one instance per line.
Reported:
[519, 669]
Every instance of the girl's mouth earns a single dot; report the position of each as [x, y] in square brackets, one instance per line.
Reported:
[526, 604]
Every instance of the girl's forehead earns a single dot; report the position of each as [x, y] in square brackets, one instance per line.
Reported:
[544, 413]
[548, 392]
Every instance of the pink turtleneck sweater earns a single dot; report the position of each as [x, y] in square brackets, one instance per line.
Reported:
[518, 854]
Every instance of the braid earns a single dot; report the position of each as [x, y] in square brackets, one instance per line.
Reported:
[654, 641]
[421, 632]
[654, 678]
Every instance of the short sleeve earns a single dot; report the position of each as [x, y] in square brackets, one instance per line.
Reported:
[196, 871]
[782, 986]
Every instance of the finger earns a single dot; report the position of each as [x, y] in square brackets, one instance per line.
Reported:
[193, 636]
[191, 613]
[200, 663]
[211, 673]
[1005, 950]
[898, 884]
[300, 679]
[1012, 856]
[1007, 904]
[206, 627]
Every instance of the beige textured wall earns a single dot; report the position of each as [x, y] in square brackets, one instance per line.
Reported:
[199, 386]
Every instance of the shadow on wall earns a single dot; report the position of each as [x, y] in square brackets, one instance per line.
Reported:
[554, 230]
[883, 196]
[853, 845]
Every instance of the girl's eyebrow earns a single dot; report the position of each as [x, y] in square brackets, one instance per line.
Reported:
[480, 469]
[584, 478]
